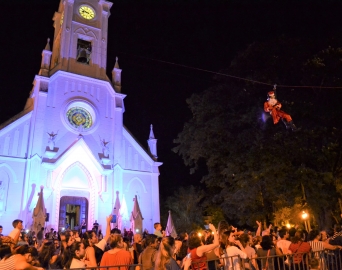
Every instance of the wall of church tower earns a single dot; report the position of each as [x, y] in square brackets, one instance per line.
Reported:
[70, 28]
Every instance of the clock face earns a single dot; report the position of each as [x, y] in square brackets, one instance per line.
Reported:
[86, 12]
[78, 116]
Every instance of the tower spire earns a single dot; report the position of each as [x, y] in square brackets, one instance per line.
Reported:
[151, 132]
[46, 58]
[116, 76]
[136, 218]
[47, 47]
[152, 144]
[116, 63]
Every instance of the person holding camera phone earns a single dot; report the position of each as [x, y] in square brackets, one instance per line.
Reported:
[198, 250]
[93, 247]
[233, 249]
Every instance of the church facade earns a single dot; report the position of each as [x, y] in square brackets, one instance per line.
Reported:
[69, 143]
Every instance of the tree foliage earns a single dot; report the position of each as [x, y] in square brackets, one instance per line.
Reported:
[254, 167]
[185, 209]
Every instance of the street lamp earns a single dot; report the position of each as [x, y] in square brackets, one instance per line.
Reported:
[304, 217]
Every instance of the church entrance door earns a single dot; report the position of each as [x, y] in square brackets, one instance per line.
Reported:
[72, 211]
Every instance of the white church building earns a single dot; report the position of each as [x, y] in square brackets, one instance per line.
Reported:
[69, 143]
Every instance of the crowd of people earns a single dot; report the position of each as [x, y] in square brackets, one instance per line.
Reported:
[208, 249]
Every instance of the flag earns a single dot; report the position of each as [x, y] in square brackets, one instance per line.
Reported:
[170, 227]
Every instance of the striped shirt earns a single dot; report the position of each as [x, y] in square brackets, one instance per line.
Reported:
[8, 264]
[336, 234]
[316, 246]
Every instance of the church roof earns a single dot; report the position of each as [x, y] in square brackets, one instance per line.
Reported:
[13, 119]
[142, 147]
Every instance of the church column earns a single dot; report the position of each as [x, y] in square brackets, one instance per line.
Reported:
[66, 35]
[103, 60]
[155, 197]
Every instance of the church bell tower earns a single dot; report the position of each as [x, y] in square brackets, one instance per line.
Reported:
[80, 39]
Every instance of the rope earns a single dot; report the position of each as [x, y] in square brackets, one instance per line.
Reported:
[232, 76]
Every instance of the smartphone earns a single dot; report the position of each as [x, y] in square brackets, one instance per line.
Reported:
[188, 255]
[206, 227]
[113, 219]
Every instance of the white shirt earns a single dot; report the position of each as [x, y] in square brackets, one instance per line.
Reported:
[75, 263]
[14, 233]
[231, 259]
[284, 246]
[102, 244]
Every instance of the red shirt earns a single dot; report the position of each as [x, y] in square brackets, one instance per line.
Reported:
[121, 257]
[300, 247]
[198, 263]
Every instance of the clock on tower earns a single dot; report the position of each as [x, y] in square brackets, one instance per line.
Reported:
[86, 12]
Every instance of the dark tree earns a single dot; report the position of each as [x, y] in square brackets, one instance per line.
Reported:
[252, 163]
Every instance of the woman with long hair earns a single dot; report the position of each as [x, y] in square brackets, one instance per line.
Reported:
[198, 250]
[222, 227]
[47, 257]
[268, 249]
[67, 240]
[89, 241]
[117, 255]
[94, 248]
[164, 257]
[251, 254]
[75, 255]
[231, 253]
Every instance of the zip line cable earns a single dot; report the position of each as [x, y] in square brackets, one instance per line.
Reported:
[232, 76]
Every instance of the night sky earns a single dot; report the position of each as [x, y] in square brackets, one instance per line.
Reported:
[154, 43]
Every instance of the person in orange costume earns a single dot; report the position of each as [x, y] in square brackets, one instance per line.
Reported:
[273, 106]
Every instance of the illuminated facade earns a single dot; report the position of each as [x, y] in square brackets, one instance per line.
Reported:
[70, 137]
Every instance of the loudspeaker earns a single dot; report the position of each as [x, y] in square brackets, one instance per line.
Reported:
[47, 217]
